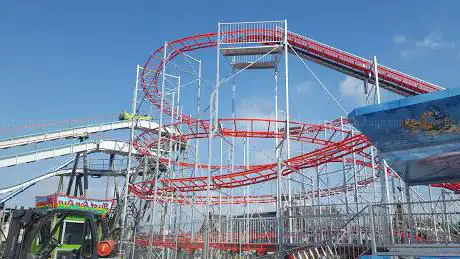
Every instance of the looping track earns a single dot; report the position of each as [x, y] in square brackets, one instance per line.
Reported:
[329, 150]
[342, 61]
[250, 199]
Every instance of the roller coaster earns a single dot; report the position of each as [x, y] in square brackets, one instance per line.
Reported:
[322, 190]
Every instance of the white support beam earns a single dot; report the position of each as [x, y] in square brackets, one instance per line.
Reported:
[106, 146]
[80, 132]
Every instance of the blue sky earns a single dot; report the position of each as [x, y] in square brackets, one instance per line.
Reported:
[56, 51]
[63, 60]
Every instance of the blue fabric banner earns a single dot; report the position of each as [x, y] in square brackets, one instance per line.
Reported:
[418, 136]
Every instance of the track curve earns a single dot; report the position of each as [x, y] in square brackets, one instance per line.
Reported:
[342, 61]
[328, 152]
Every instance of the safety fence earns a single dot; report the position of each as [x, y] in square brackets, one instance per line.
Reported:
[320, 229]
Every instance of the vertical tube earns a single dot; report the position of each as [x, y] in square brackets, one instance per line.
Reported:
[318, 199]
[72, 176]
[345, 187]
[383, 175]
[410, 215]
[386, 195]
[279, 212]
[232, 164]
[158, 153]
[288, 115]
[433, 216]
[85, 175]
[377, 85]
[243, 220]
[374, 178]
[111, 167]
[445, 218]
[355, 177]
[401, 195]
[366, 90]
[197, 142]
[220, 193]
[318, 220]
[329, 200]
[247, 189]
[128, 170]
[384, 181]
[213, 116]
[394, 197]
[374, 246]
[355, 193]
[166, 227]
[133, 248]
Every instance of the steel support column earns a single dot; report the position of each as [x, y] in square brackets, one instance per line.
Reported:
[128, 169]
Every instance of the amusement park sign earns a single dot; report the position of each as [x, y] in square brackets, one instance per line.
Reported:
[418, 136]
[58, 201]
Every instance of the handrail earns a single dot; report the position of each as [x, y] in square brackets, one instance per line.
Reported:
[318, 244]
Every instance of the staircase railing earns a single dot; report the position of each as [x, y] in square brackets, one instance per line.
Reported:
[338, 240]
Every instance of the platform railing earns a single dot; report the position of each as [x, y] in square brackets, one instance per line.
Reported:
[431, 222]
[263, 32]
[375, 227]
[378, 227]
[422, 223]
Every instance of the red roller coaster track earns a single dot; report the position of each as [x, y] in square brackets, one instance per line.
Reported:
[248, 199]
[329, 151]
[339, 60]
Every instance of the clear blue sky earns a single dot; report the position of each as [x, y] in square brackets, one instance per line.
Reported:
[76, 59]
[55, 51]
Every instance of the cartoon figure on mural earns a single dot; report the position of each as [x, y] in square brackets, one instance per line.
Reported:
[433, 121]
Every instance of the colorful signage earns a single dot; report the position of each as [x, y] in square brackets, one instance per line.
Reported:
[58, 201]
[418, 136]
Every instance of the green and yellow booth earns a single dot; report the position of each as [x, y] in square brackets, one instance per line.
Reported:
[74, 231]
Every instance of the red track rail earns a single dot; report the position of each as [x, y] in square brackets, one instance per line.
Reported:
[451, 186]
[185, 243]
[339, 60]
[245, 128]
[358, 67]
[330, 152]
[342, 61]
[179, 198]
